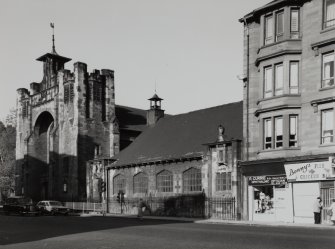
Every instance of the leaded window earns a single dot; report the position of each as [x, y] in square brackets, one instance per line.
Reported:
[165, 181]
[119, 184]
[223, 181]
[141, 183]
[192, 180]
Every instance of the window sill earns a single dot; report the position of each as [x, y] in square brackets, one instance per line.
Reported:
[326, 145]
[279, 96]
[325, 30]
[279, 149]
[278, 42]
[327, 88]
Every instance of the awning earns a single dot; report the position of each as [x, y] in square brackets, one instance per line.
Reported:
[261, 168]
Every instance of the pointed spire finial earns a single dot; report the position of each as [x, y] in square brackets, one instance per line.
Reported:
[52, 25]
[155, 85]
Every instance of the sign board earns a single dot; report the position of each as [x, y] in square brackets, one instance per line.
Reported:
[267, 180]
[311, 171]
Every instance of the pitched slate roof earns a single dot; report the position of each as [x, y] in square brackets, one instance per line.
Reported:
[131, 118]
[183, 136]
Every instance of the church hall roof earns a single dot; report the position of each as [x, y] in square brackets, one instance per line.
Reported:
[182, 136]
[131, 118]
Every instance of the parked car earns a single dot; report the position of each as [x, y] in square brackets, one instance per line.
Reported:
[53, 207]
[20, 205]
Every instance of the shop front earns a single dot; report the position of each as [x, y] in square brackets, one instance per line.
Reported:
[308, 181]
[270, 198]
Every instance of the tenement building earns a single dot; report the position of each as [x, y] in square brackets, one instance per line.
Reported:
[64, 121]
[186, 155]
[289, 105]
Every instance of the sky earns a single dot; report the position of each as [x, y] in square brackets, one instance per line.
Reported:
[189, 50]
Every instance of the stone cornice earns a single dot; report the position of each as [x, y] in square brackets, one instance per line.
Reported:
[276, 54]
[276, 108]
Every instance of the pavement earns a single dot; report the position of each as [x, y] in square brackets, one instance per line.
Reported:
[218, 221]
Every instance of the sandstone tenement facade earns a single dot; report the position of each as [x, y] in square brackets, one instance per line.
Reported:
[289, 108]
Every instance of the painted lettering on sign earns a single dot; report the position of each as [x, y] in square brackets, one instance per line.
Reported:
[312, 171]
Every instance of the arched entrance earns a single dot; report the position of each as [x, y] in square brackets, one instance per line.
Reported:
[40, 150]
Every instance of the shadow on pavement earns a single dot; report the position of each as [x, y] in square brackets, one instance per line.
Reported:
[18, 229]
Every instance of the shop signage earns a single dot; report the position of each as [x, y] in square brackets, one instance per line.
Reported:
[267, 180]
[312, 171]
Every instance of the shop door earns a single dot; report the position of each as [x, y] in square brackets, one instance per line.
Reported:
[304, 195]
[283, 204]
[327, 195]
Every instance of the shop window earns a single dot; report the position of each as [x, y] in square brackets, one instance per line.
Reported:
[278, 132]
[263, 200]
[268, 30]
[329, 13]
[293, 136]
[328, 70]
[119, 184]
[295, 24]
[327, 126]
[192, 180]
[279, 80]
[280, 26]
[223, 181]
[165, 182]
[141, 183]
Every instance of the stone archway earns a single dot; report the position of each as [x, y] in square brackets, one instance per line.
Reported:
[39, 177]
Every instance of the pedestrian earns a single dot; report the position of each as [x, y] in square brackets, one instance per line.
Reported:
[140, 208]
[331, 212]
[317, 207]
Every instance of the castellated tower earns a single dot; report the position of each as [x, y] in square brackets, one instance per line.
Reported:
[62, 122]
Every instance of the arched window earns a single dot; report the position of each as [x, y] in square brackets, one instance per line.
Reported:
[165, 181]
[141, 183]
[192, 180]
[119, 184]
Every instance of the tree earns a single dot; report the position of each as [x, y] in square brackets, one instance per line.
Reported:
[11, 118]
[7, 158]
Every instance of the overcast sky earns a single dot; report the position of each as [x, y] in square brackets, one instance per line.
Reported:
[192, 49]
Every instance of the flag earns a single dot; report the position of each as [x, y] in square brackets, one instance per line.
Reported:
[52, 25]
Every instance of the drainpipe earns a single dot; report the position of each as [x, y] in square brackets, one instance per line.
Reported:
[247, 81]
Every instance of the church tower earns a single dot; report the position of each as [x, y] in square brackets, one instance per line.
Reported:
[62, 122]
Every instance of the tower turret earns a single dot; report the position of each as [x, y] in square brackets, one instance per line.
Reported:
[155, 112]
[52, 63]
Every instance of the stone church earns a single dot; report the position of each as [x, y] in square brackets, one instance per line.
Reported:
[68, 118]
